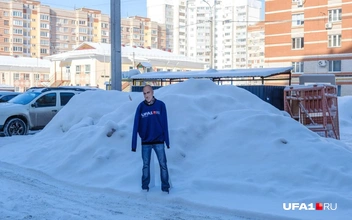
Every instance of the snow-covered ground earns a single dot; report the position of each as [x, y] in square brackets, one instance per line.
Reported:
[232, 156]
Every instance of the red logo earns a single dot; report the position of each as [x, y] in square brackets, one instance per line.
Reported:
[318, 206]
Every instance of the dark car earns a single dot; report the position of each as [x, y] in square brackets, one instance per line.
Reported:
[7, 95]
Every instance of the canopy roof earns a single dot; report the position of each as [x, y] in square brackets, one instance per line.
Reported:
[212, 73]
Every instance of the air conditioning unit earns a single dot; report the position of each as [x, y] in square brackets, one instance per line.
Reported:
[322, 63]
[328, 25]
[300, 3]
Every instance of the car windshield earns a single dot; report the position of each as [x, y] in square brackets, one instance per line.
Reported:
[24, 98]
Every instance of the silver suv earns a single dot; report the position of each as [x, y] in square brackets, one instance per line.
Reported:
[33, 109]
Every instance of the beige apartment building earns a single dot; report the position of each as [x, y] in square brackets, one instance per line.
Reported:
[312, 36]
[31, 29]
[141, 31]
[21, 73]
[256, 45]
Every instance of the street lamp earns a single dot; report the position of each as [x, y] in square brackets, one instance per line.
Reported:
[212, 15]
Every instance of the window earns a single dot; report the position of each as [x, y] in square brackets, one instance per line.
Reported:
[44, 42]
[44, 17]
[44, 26]
[48, 100]
[65, 97]
[87, 69]
[44, 34]
[17, 31]
[297, 43]
[78, 69]
[17, 14]
[18, 40]
[335, 15]
[26, 76]
[36, 77]
[335, 40]
[297, 19]
[334, 65]
[67, 69]
[43, 51]
[17, 49]
[7, 98]
[83, 30]
[16, 76]
[17, 22]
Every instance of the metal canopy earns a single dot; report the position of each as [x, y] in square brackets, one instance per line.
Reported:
[212, 73]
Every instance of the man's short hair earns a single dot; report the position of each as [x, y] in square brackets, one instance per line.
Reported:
[148, 86]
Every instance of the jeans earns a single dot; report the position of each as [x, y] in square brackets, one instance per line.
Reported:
[159, 150]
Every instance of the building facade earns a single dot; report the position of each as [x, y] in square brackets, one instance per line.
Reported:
[22, 73]
[312, 36]
[89, 64]
[213, 31]
[166, 12]
[31, 29]
[141, 31]
[256, 45]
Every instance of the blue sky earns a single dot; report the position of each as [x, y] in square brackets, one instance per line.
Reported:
[128, 7]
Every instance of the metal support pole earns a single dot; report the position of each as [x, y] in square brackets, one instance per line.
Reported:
[115, 30]
[247, 40]
[212, 42]
[212, 32]
[213, 35]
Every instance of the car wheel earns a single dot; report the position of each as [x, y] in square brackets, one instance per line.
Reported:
[15, 126]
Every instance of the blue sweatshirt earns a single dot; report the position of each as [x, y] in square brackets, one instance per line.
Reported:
[150, 121]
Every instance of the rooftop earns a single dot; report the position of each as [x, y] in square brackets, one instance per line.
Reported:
[24, 62]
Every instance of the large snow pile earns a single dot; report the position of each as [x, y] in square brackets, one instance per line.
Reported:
[228, 149]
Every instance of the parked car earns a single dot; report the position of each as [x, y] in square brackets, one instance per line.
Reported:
[33, 109]
[5, 96]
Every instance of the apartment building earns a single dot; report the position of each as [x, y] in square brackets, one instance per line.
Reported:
[256, 45]
[31, 29]
[312, 36]
[213, 31]
[246, 13]
[141, 31]
[22, 73]
[167, 12]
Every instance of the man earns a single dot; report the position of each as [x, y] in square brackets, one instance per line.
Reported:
[150, 122]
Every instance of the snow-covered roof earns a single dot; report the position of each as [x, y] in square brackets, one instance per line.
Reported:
[24, 62]
[87, 49]
[212, 73]
[145, 64]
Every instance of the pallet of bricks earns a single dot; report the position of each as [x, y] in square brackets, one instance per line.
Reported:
[314, 106]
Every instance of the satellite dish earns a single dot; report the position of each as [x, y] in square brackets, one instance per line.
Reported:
[322, 63]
